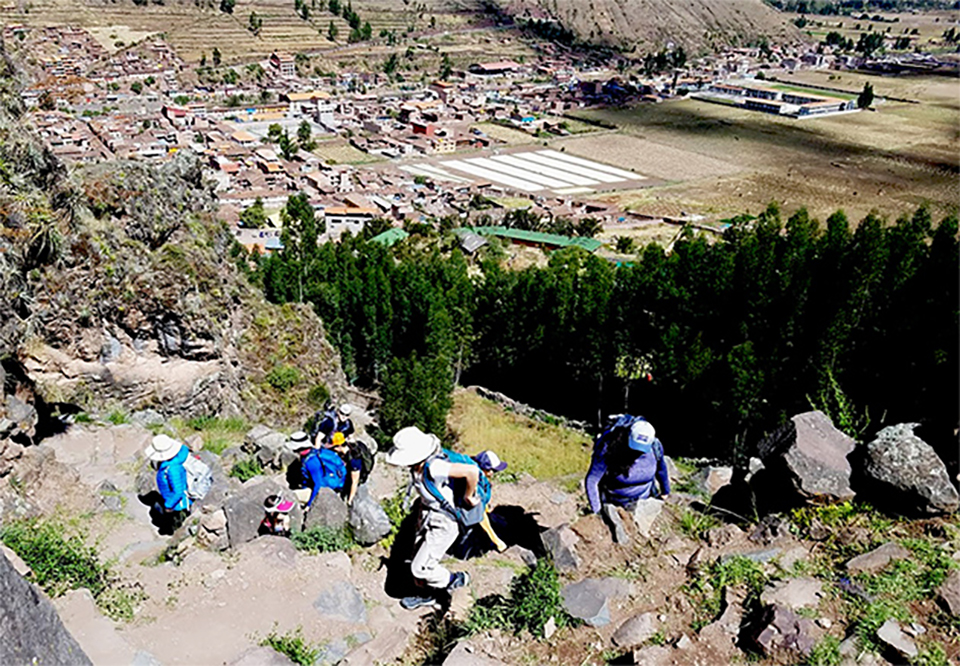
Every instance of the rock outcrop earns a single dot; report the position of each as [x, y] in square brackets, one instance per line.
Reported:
[902, 473]
[806, 462]
[31, 630]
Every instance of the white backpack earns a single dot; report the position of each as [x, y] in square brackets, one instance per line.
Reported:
[199, 477]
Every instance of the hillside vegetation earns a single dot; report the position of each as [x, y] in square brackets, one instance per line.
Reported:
[651, 24]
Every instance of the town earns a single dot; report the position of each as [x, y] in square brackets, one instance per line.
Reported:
[363, 147]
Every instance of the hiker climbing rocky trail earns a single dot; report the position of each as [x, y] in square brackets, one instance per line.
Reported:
[685, 580]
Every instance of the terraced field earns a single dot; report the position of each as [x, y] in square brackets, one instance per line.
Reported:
[193, 30]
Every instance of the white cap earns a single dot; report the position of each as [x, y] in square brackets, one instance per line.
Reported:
[345, 409]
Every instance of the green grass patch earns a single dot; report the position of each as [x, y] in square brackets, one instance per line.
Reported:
[826, 652]
[323, 540]
[542, 450]
[60, 561]
[394, 508]
[283, 377]
[812, 91]
[246, 469]
[118, 417]
[293, 645]
[705, 590]
[534, 600]
[694, 524]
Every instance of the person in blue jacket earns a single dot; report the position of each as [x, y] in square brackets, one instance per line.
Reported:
[626, 467]
[169, 455]
[319, 468]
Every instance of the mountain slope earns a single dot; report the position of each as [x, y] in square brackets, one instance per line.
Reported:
[651, 24]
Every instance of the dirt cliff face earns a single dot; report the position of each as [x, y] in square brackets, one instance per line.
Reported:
[118, 291]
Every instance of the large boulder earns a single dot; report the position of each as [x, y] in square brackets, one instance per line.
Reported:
[806, 462]
[30, 629]
[589, 599]
[327, 510]
[878, 558]
[244, 510]
[636, 630]
[903, 473]
[368, 520]
[949, 593]
[561, 543]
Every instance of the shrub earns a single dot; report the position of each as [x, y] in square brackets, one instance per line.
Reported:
[534, 599]
[318, 395]
[246, 469]
[293, 645]
[58, 562]
[323, 540]
[705, 591]
[826, 652]
[283, 377]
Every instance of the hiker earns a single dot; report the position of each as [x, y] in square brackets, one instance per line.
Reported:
[334, 421]
[627, 465]
[490, 463]
[437, 528]
[354, 462]
[168, 456]
[319, 468]
[276, 520]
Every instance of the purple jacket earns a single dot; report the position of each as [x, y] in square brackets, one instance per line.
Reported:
[634, 483]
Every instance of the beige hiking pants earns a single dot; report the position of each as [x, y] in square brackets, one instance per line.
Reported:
[437, 533]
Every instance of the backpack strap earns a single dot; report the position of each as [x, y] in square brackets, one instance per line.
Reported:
[432, 488]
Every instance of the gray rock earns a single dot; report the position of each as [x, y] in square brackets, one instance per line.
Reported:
[560, 542]
[653, 655]
[144, 658]
[904, 473]
[465, 655]
[559, 498]
[645, 515]
[212, 533]
[758, 556]
[712, 478]
[770, 528]
[146, 481]
[332, 653]
[793, 593]
[341, 601]
[808, 455]
[251, 441]
[526, 555]
[877, 558]
[612, 515]
[244, 510]
[784, 630]
[31, 630]
[949, 593]
[684, 642]
[369, 521]
[110, 497]
[587, 600]
[636, 630]
[892, 636]
[147, 418]
[328, 510]
[262, 656]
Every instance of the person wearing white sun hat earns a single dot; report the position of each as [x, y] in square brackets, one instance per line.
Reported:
[437, 530]
[168, 455]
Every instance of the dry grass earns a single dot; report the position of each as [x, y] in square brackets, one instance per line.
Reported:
[889, 160]
[544, 451]
[508, 135]
[339, 151]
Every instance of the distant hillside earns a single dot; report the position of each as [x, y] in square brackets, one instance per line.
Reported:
[651, 24]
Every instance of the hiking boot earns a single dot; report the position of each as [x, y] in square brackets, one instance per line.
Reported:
[412, 603]
[458, 580]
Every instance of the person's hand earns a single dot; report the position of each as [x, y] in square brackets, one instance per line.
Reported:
[471, 501]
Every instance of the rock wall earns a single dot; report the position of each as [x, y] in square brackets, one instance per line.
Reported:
[30, 629]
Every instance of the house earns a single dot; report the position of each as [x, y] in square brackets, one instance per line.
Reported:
[341, 219]
[284, 63]
[497, 68]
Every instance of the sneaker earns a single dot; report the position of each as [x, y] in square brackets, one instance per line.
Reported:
[458, 580]
[412, 603]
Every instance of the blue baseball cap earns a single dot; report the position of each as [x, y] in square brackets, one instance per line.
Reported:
[490, 461]
[642, 436]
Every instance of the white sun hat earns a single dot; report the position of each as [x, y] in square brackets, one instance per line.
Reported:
[162, 448]
[298, 440]
[411, 446]
[345, 409]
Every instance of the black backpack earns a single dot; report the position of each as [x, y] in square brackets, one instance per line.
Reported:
[360, 450]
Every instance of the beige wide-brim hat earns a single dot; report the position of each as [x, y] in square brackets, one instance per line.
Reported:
[412, 446]
[162, 448]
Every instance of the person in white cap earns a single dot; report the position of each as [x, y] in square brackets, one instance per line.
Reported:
[438, 530]
[169, 455]
[627, 465]
[334, 421]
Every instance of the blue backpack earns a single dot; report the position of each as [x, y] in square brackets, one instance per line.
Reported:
[334, 469]
[466, 516]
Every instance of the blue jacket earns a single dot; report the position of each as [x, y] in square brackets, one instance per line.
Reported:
[332, 424]
[322, 468]
[633, 482]
[172, 481]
